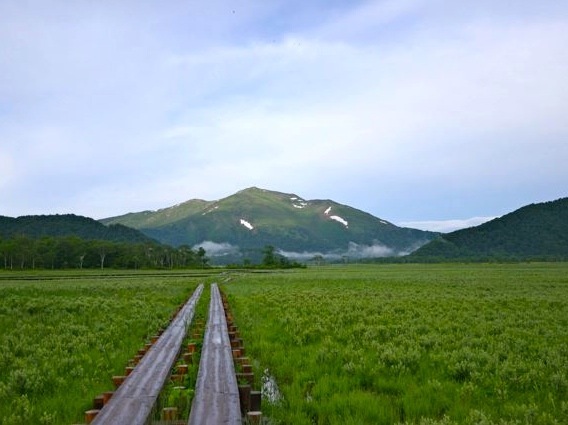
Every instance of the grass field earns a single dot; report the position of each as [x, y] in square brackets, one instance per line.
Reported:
[382, 344]
[425, 344]
[63, 336]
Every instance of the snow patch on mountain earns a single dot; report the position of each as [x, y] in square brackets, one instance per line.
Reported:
[298, 203]
[211, 210]
[340, 220]
[246, 224]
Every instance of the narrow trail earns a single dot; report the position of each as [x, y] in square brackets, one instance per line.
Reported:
[133, 401]
[216, 398]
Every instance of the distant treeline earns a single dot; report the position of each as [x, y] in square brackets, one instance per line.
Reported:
[49, 252]
[270, 260]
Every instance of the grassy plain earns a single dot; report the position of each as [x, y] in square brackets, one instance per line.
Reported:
[412, 344]
[64, 335]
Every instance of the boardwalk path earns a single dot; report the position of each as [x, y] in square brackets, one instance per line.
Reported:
[216, 399]
[134, 400]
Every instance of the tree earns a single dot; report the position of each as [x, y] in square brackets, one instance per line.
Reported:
[318, 259]
[47, 251]
[201, 256]
[8, 247]
[269, 256]
[103, 248]
[186, 256]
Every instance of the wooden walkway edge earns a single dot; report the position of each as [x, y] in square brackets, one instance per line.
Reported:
[216, 398]
[134, 400]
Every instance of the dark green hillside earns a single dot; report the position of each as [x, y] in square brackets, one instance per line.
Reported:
[62, 225]
[537, 231]
[253, 218]
[70, 241]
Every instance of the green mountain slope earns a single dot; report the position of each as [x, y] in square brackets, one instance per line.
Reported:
[61, 225]
[150, 219]
[253, 218]
[534, 231]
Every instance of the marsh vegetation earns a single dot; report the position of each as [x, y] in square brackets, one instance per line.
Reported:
[411, 343]
[349, 344]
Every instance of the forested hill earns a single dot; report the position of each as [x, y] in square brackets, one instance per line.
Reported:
[536, 231]
[62, 225]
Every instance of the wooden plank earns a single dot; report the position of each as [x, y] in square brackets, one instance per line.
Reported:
[216, 398]
[134, 400]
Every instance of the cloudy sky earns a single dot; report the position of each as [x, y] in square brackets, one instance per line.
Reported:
[431, 113]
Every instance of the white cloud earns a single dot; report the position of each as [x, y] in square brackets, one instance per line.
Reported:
[307, 256]
[472, 88]
[369, 251]
[139, 106]
[215, 249]
[352, 251]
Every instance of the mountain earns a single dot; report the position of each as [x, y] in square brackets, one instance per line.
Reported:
[538, 231]
[61, 225]
[253, 218]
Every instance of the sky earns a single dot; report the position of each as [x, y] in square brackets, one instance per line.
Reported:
[431, 114]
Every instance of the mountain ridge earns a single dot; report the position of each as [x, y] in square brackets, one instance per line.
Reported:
[252, 218]
[239, 226]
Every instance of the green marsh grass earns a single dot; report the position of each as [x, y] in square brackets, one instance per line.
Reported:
[63, 336]
[410, 344]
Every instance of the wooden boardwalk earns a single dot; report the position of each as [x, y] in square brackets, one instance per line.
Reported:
[134, 400]
[216, 398]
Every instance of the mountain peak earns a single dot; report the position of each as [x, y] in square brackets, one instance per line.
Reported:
[251, 189]
[255, 217]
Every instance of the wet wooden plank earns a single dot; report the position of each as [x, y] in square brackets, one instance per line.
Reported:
[134, 400]
[216, 398]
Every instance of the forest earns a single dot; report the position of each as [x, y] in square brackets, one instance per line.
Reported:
[49, 252]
